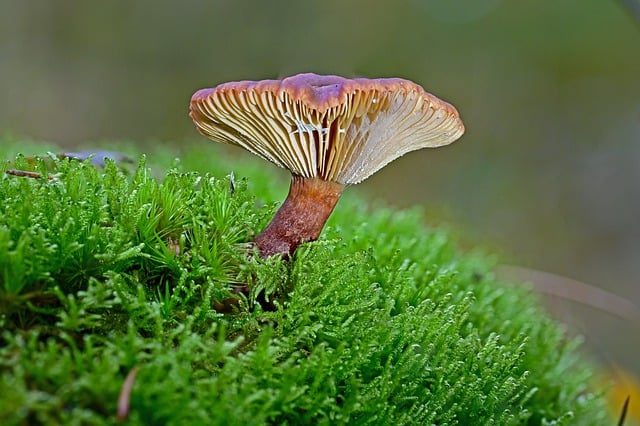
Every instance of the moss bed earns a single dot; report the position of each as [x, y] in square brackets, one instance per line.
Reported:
[383, 321]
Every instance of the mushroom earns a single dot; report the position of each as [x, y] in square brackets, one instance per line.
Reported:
[328, 131]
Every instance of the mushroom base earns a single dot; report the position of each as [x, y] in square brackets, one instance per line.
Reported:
[301, 217]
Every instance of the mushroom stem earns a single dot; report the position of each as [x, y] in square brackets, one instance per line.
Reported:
[301, 217]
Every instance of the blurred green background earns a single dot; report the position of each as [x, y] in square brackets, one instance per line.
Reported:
[548, 172]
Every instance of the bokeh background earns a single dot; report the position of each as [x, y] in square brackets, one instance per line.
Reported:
[547, 175]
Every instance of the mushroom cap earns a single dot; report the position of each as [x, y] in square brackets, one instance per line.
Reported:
[337, 129]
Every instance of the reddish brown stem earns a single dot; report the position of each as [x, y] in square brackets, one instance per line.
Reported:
[301, 217]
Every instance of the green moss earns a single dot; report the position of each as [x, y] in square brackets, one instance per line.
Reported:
[382, 321]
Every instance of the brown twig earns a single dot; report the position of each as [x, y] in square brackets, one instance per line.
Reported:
[570, 289]
[625, 408]
[24, 173]
[124, 400]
